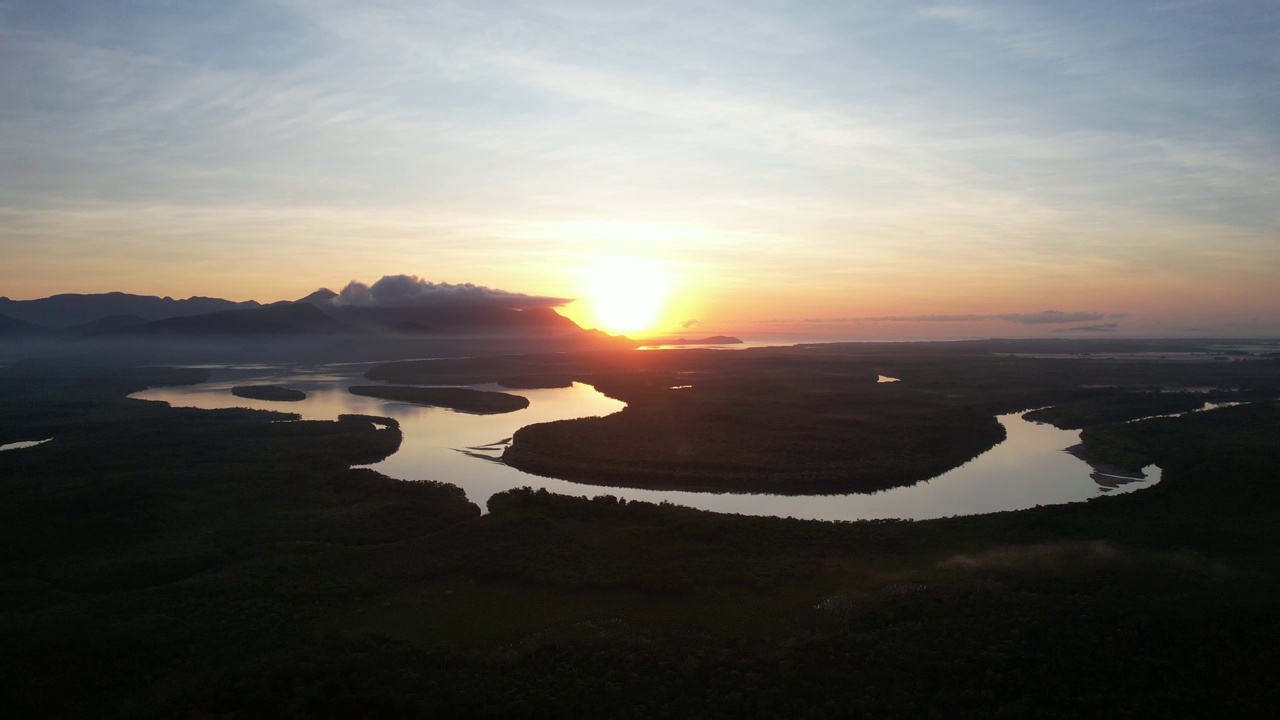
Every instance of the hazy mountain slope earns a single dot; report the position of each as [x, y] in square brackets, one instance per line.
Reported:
[111, 313]
[111, 323]
[70, 309]
[11, 328]
[458, 319]
[289, 319]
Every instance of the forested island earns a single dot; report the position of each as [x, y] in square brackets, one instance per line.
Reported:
[160, 561]
[268, 392]
[712, 340]
[481, 402]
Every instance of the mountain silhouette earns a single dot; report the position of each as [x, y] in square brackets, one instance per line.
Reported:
[283, 319]
[120, 315]
[108, 324]
[319, 297]
[70, 309]
[13, 328]
[456, 319]
[413, 328]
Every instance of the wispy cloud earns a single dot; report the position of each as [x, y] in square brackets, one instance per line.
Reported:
[1046, 317]
[997, 153]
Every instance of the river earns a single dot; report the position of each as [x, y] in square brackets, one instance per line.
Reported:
[1029, 468]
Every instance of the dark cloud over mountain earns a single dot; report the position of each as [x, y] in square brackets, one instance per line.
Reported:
[407, 291]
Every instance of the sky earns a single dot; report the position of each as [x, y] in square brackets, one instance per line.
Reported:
[845, 169]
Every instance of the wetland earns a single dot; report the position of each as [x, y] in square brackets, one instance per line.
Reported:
[1029, 467]
[189, 558]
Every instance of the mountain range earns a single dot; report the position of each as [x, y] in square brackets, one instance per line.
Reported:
[124, 315]
[68, 310]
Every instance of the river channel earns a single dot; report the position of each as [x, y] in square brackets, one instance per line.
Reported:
[1029, 468]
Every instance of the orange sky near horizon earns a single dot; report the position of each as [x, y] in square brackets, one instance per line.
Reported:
[673, 299]
[849, 170]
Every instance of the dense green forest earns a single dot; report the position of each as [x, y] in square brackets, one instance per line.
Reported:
[162, 562]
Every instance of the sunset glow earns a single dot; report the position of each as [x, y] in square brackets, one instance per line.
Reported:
[625, 295]
[853, 170]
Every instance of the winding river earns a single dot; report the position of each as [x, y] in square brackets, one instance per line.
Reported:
[1029, 468]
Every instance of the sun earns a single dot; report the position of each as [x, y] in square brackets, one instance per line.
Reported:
[625, 295]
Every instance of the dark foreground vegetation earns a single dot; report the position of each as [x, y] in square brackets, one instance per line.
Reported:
[479, 402]
[273, 393]
[160, 562]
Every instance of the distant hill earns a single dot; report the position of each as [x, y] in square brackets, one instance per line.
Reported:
[713, 340]
[456, 320]
[319, 297]
[11, 328]
[282, 319]
[445, 319]
[413, 328]
[68, 310]
[117, 314]
[108, 324]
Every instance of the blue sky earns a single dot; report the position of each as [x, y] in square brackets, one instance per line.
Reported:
[825, 161]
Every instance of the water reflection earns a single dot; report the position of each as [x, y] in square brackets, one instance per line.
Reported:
[1029, 468]
[23, 444]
